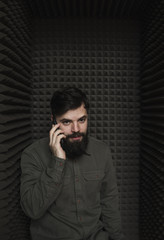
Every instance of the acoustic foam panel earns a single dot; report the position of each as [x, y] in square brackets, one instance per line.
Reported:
[152, 125]
[15, 89]
[20, 231]
[88, 8]
[102, 57]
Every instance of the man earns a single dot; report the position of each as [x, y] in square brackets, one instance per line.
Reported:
[68, 184]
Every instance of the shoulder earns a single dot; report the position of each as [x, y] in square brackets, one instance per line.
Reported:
[37, 153]
[101, 152]
[38, 145]
[97, 144]
[98, 148]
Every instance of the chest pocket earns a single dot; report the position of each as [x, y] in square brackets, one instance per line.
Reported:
[93, 176]
[92, 186]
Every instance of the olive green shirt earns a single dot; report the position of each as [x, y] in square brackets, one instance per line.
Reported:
[70, 199]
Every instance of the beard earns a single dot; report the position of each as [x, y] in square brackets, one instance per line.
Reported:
[76, 148]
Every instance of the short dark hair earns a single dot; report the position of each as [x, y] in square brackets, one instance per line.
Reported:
[68, 99]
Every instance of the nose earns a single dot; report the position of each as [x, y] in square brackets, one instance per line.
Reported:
[75, 127]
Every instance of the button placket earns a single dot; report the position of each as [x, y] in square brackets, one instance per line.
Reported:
[77, 179]
[78, 191]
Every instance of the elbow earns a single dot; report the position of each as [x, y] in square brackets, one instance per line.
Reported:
[31, 212]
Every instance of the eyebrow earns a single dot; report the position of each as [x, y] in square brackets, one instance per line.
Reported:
[69, 120]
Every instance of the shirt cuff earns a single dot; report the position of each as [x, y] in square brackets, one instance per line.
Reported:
[55, 170]
[58, 163]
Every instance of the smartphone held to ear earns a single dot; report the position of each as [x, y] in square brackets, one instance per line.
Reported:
[54, 121]
[62, 140]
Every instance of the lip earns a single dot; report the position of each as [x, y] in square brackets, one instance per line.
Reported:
[76, 138]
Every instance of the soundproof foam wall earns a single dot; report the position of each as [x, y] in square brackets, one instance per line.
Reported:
[111, 60]
[152, 125]
[101, 57]
[15, 129]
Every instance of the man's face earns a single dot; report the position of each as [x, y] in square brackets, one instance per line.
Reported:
[74, 125]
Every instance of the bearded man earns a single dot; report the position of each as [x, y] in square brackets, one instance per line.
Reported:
[68, 183]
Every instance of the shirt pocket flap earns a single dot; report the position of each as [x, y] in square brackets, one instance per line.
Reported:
[92, 176]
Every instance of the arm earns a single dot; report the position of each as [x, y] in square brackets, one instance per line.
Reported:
[110, 202]
[39, 187]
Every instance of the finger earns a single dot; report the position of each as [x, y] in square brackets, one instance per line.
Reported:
[53, 129]
[56, 134]
[59, 138]
[55, 126]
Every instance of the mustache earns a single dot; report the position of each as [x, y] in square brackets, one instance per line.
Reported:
[74, 135]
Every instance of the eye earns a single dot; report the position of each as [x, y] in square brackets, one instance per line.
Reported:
[66, 123]
[82, 120]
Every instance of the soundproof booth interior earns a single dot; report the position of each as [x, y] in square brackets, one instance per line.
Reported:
[113, 51]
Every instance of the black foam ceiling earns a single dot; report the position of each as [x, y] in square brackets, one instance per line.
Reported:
[89, 8]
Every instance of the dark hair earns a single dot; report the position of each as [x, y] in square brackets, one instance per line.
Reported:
[68, 99]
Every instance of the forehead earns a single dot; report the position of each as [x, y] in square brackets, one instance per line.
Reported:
[75, 113]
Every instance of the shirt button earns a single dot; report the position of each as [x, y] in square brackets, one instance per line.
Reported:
[78, 201]
[77, 179]
[61, 164]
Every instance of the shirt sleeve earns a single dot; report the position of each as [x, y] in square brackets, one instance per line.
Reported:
[110, 202]
[39, 186]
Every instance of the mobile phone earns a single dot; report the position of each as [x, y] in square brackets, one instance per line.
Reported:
[55, 122]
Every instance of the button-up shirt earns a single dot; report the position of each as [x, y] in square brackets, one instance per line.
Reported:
[69, 199]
